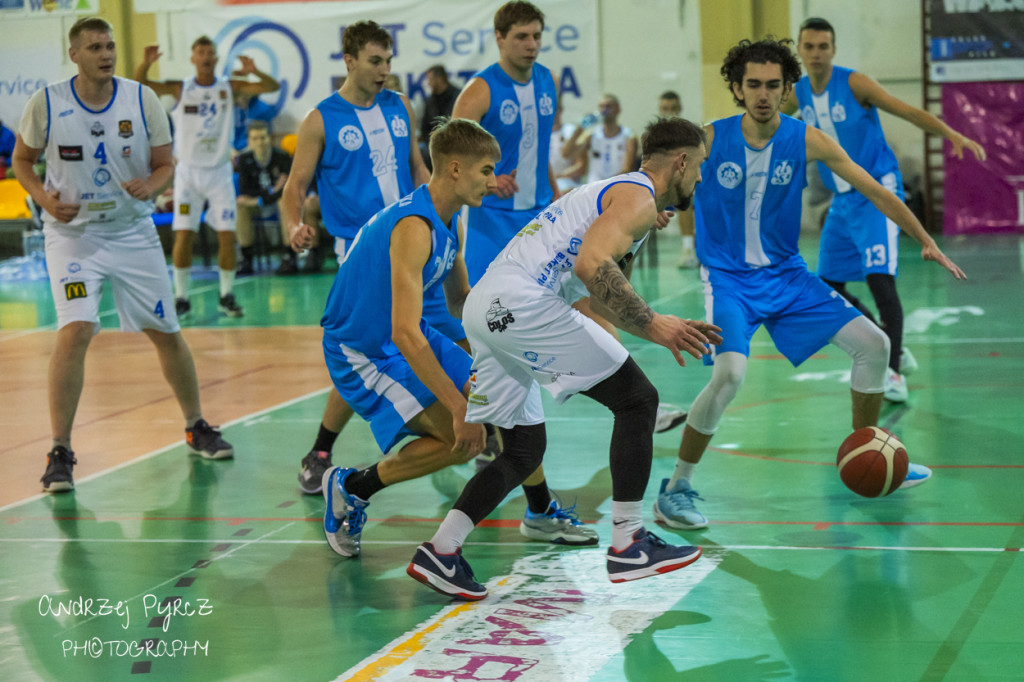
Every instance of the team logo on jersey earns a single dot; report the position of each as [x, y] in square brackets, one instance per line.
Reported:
[547, 105]
[70, 153]
[398, 126]
[73, 290]
[126, 151]
[838, 112]
[730, 175]
[124, 128]
[498, 317]
[508, 112]
[97, 129]
[350, 138]
[74, 267]
[782, 172]
[101, 177]
[807, 113]
[223, 94]
[531, 356]
[184, 209]
[191, 108]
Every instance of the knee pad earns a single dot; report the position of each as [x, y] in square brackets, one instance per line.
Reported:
[868, 347]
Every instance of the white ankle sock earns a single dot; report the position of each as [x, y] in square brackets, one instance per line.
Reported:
[452, 532]
[181, 277]
[627, 518]
[227, 282]
[684, 471]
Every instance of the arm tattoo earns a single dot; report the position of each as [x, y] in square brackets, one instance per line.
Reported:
[612, 288]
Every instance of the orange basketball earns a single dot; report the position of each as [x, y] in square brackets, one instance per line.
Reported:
[872, 462]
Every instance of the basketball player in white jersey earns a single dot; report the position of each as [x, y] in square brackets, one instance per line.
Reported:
[204, 123]
[605, 150]
[108, 153]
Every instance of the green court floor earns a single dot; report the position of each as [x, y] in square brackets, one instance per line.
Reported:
[204, 570]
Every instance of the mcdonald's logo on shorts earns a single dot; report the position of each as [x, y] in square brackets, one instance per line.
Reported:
[73, 290]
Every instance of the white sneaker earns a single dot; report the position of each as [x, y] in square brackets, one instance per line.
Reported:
[895, 387]
[908, 363]
[916, 475]
[669, 417]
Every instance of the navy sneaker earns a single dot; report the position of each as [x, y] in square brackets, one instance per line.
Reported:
[448, 574]
[648, 555]
[345, 516]
[205, 441]
[59, 464]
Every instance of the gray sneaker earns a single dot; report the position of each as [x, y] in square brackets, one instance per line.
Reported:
[558, 526]
[675, 507]
[344, 518]
[311, 475]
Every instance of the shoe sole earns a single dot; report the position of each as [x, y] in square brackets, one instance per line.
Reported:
[59, 487]
[231, 313]
[220, 454]
[657, 569]
[555, 538]
[672, 523]
[309, 491]
[913, 483]
[332, 540]
[440, 585]
[674, 423]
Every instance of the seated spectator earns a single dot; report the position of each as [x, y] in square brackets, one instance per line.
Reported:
[262, 172]
[438, 105]
[249, 107]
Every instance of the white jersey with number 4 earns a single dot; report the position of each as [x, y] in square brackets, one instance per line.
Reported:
[547, 248]
[204, 124]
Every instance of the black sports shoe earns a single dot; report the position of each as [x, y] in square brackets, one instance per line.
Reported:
[205, 441]
[244, 267]
[182, 306]
[228, 306]
[59, 463]
[288, 266]
[314, 261]
[311, 475]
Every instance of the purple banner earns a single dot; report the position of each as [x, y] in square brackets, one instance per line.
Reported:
[985, 196]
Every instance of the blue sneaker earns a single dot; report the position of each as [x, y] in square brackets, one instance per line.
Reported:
[557, 525]
[916, 475]
[675, 507]
[648, 555]
[448, 574]
[344, 518]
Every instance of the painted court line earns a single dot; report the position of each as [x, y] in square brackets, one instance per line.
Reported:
[556, 617]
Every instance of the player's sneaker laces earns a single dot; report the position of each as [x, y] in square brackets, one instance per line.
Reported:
[182, 306]
[669, 417]
[908, 363]
[448, 574]
[206, 441]
[492, 447]
[895, 387]
[558, 526]
[57, 477]
[345, 516]
[229, 307]
[311, 475]
[916, 475]
[675, 507]
[648, 555]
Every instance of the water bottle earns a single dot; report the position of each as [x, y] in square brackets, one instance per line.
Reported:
[34, 247]
[590, 120]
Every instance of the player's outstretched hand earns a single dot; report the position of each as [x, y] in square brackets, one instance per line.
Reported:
[151, 53]
[302, 236]
[469, 439]
[690, 336]
[932, 252]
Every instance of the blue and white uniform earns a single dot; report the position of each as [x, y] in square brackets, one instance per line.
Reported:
[521, 117]
[520, 321]
[365, 167]
[89, 154]
[748, 228]
[367, 368]
[857, 238]
[203, 131]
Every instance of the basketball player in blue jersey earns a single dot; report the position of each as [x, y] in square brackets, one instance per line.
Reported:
[525, 335]
[514, 99]
[385, 359]
[748, 225]
[108, 154]
[858, 242]
[203, 118]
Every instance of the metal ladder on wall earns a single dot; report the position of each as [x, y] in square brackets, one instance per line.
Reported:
[934, 167]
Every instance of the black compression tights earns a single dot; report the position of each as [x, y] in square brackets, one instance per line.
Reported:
[890, 310]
